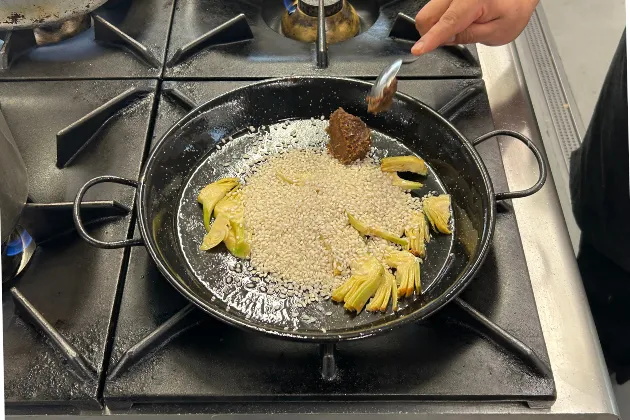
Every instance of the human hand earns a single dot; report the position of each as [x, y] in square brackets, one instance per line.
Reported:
[490, 22]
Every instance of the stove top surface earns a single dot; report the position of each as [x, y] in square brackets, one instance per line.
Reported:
[87, 328]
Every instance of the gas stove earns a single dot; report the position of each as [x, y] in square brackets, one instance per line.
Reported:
[88, 330]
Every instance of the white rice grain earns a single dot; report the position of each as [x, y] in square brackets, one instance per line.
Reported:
[300, 230]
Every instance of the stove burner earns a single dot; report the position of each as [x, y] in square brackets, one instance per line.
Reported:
[300, 23]
[57, 32]
[330, 7]
[16, 253]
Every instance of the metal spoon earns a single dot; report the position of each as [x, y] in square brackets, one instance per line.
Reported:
[384, 88]
[388, 75]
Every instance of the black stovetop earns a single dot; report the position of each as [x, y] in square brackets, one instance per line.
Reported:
[86, 328]
[153, 38]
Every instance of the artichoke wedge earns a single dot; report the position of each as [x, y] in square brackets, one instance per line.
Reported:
[417, 234]
[407, 272]
[219, 230]
[228, 226]
[366, 230]
[404, 184]
[404, 164]
[237, 240]
[438, 211]
[210, 195]
[385, 291]
[367, 276]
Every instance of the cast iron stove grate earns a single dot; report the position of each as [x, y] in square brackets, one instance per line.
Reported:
[57, 311]
[239, 39]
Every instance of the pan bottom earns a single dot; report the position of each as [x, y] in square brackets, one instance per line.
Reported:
[229, 279]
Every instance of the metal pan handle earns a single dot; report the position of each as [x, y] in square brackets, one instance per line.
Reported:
[542, 167]
[78, 223]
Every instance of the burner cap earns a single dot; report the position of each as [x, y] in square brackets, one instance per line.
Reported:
[310, 7]
[54, 33]
[301, 22]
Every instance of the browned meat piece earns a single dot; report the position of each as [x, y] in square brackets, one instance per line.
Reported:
[349, 137]
[383, 102]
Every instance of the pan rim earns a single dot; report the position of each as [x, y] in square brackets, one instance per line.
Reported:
[314, 336]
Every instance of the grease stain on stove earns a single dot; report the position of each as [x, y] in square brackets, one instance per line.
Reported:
[14, 18]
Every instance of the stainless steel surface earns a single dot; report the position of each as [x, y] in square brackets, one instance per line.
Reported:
[13, 184]
[559, 121]
[580, 373]
[20, 14]
[554, 88]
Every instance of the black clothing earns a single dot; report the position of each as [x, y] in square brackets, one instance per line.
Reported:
[600, 195]
[600, 181]
[607, 287]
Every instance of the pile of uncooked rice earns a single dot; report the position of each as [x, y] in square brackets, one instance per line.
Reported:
[296, 207]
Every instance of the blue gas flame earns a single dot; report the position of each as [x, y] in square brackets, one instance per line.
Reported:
[290, 5]
[17, 245]
[77, 48]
